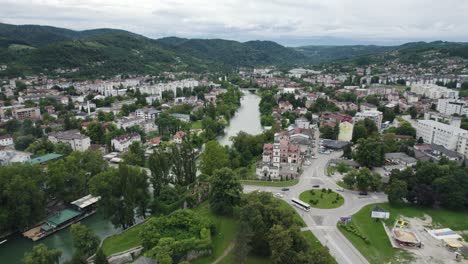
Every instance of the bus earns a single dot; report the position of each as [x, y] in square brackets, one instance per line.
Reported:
[300, 204]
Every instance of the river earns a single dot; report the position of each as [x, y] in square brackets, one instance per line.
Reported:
[247, 119]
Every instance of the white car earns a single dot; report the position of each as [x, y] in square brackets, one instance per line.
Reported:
[340, 189]
[279, 195]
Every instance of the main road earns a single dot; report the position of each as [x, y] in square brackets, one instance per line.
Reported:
[322, 222]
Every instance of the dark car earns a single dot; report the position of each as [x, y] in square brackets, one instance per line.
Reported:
[285, 189]
[362, 193]
[316, 186]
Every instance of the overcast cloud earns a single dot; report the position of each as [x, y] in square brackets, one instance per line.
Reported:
[290, 22]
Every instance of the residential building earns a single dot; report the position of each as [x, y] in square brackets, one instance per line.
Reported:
[122, 143]
[433, 91]
[450, 137]
[6, 140]
[127, 122]
[452, 106]
[302, 122]
[26, 113]
[375, 116]
[74, 138]
[179, 137]
[346, 131]
[147, 113]
[11, 156]
[365, 107]
[182, 117]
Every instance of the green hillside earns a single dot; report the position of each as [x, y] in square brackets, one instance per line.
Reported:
[41, 49]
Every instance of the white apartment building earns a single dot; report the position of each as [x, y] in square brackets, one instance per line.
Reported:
[433, 91]
[452, 106]
[147, 113]
[375, 116]
[302, 122]
[77, 141]
[450, 137]
[157, 89]
[6, 140]
[127, 122]
[122, 143]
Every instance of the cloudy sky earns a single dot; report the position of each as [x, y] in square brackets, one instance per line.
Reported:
[290, 22]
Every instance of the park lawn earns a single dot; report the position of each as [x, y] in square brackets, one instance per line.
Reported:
[343, 185]
[196, 125]
[380, 250]
[325, 202]
[271, 183]
[226, 229]
[123, 241]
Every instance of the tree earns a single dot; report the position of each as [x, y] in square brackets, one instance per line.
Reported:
[242, 247]
[84, 240]
[420, 140]
[327, 132]
[41, 147]
[280, 243]
[22, 142]
[100, 257]
[183, 163]
[160, 165]
[96, 132]
[124, 194]
[413, 112]
[135, 154]
[370, 152]
[406, 129]
[68, 178]
[40, 254]
[362, 179]
[215, 156]
[22, 201]
[396, 191]
[225, 191]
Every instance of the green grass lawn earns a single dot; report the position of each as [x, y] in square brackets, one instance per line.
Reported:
[196, 125]
[343, 185]
[325, 200]
[271, 183]
[379, 250]
[123, 241]
[226, 228]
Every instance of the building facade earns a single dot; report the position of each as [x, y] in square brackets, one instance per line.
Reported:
[74, 138]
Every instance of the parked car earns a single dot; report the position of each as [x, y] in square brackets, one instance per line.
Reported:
[363, 193]
[285, 189]
[279, 195]
[340, 189]
[316, 186]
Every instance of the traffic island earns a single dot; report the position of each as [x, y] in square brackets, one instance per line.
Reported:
[322, 198]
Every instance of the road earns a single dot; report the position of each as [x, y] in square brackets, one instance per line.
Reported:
[322, 222]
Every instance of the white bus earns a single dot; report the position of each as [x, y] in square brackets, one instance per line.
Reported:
[300, 204]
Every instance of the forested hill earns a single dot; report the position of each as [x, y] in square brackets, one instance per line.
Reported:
[320, 54]
[43, 49]
[409, 53]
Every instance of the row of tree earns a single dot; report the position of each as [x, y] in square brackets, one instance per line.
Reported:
[429, 184]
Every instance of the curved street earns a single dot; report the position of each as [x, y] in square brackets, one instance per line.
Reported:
[322, 222]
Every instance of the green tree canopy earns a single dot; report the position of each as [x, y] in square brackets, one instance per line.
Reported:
[40, 254]
[225, 191]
